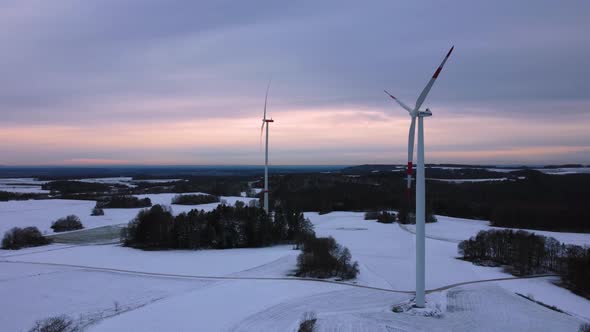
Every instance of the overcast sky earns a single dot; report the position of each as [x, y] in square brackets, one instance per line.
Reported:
[183, 82]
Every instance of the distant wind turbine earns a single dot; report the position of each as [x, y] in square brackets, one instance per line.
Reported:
[420, 179]
[266, 122]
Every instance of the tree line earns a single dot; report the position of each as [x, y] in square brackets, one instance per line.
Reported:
[524, 253]
[194, 199]
[122, 202]
[238, 226]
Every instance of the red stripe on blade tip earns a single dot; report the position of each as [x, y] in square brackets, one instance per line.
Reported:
[437, 72]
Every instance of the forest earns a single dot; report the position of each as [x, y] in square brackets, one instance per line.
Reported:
[527, 199]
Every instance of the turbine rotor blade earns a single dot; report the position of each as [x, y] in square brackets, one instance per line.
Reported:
[266, 99]
[411, 152]
[264, 116]
[406, 107]
[424, 93]
[261, 131]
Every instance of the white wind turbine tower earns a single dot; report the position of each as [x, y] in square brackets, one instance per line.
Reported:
[420, 181]
[266, 122]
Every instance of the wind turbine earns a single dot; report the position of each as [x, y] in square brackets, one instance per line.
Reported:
[266, 122]
[420, 181]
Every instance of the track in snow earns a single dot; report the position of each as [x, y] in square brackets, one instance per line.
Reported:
[428, 236]
[200, 277]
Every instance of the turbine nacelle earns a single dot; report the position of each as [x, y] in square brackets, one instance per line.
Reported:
[422, 114]
[425, 113]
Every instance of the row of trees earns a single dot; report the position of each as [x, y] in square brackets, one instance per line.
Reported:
[238, 226]
[123, 202]
[12, 196]
[65, 187]
[194, 199]
[528, 253]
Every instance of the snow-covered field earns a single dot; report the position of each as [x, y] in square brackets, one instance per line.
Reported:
[22, 185]
[458, 229]
[41, 213]
[113, 288]
[31, 185]
[124, 180]
[468, 180]
[558, 171]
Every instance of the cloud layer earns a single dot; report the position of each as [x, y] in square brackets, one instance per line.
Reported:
[182, 82]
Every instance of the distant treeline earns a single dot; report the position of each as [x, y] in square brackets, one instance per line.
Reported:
[213, 185]
[526, 253]
[70, 187]
[238, 226]
[442, 172]
[10, 196]
[530, 200]
[194, 199]
[123, 202]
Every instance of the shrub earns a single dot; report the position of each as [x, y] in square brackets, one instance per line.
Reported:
[382, 217]
[308, 321]
[324, 258]
[371, 215]
[410, 218]
[17, 238]
[61, 323]
[69, 223]
[96, 211]
[124, 202]
[194, 199]
[584, 328]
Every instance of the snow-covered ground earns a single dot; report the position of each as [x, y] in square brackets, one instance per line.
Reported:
[31, 185]
[558, 171]
[125, 180]
[32, 292]
[565, 170]
[458, 229]
[22, 185]
[164, 290]
[41, 213]
[468, 180]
